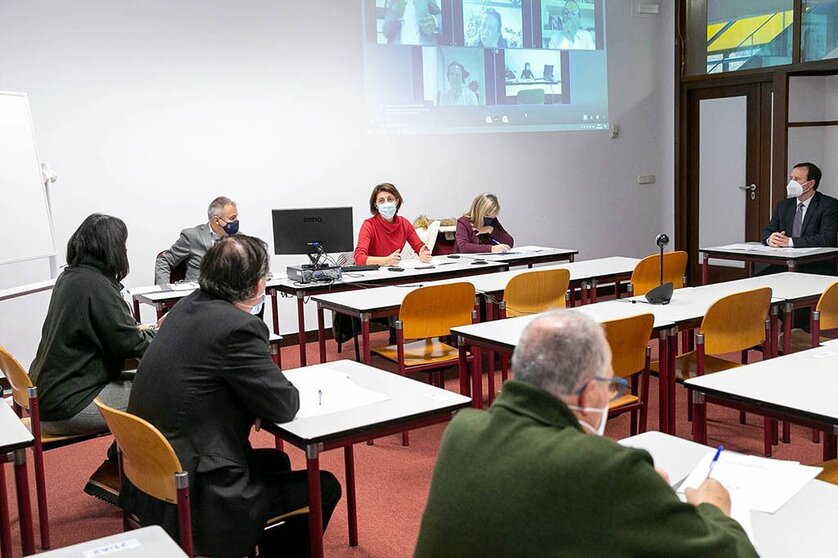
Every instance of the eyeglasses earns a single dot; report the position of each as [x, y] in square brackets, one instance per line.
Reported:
[616, 386]
[568, 13]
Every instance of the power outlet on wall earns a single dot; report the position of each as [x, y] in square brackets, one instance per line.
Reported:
[646, 179]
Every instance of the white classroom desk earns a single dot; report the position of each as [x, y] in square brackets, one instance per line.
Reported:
[147, 542]
[367, 304]
[686, 310]
[411, 405]
[442, 268]
[803, 526]
[14, 439]
[759, 253]
[529, 257]
[800, 387]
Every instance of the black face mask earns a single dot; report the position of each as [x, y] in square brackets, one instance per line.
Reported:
[488, 221]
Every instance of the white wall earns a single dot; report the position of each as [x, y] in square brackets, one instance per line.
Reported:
[815, 98]
[147, 110]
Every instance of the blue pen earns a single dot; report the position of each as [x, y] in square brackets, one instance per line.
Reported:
[493, 240]
[715, 459]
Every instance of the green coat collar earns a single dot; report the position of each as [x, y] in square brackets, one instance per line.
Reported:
[537, 404]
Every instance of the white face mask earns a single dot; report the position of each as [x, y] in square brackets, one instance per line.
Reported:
[600, 430]
[258, 307]
[387, 210]
[794, 189]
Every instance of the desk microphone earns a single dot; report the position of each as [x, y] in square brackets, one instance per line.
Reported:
[661, 294]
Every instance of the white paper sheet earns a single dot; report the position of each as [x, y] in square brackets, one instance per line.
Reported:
[184, 286]
[756, 483]
[323, 392]
[768, 250]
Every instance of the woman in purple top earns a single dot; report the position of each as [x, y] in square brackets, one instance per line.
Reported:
[479, 229]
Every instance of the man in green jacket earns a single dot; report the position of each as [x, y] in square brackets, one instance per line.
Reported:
[533, 476]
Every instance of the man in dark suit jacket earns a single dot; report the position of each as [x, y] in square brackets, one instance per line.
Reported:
[817, 222]
[194, 242]
[203, 386]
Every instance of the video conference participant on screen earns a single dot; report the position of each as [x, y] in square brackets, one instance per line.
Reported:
[527, 73]
[458, 93]
[383, 235]
[571, 37]
[491, 35]
[412, 22]
[479, 229]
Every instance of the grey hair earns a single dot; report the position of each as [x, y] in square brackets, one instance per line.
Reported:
[216, 206]
[560, 352]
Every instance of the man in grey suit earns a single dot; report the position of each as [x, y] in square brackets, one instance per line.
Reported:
[223, 219]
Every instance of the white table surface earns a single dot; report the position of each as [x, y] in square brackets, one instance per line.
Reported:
[407, 398]
[785, 286]
[543, 251]
[507, 332]
[13, 434]
[442, 265]
[805, 383]
[147, 542]
[759, 249]
[802, 527]
[378, 298]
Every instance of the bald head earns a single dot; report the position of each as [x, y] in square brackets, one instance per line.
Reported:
[560, 352]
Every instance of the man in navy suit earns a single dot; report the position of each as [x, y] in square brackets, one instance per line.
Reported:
[806, 218]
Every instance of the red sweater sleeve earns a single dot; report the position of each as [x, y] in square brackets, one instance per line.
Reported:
[362, 250]
[466, 238]
[499, 233]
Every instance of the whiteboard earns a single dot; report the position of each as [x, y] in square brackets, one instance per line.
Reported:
[25, 214]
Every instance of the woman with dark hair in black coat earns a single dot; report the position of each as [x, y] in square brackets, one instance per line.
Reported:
[88, 332]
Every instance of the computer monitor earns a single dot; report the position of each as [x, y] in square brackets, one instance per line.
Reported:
[312, 230]
[548, 72]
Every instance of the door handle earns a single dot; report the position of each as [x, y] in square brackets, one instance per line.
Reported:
[752, 187]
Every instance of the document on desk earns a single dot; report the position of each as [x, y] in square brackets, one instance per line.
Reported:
[757, 483]
[323, 392]
[184, 286]
[144, 290]
[768, 250]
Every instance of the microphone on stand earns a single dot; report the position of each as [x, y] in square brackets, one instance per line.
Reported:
[661, 294]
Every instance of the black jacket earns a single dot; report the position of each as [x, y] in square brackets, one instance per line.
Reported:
[820, 223]
[87, 335]
[202, 383]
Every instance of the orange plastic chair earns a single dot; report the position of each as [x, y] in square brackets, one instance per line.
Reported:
[25, 399]
[427, 314]
[630, 358]
[646, 275]
[734, 323]
[147, 459]
[530, 292]
[535, 291]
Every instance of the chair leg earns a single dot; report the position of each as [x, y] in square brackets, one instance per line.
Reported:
[775, 430]
[504, 367]
[405, 438]
[816, 436]
[41, 494]
[633, 423]
[786, 433]
[742, 418]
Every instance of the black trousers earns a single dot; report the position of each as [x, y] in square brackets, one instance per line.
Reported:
[288, 491]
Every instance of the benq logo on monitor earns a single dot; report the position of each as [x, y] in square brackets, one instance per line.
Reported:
[312, 219]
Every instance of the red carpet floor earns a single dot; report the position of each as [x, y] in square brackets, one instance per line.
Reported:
[392, 481]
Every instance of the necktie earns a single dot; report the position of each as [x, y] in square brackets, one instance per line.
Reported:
[798, 221]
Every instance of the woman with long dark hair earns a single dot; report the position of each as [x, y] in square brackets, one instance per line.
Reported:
[88, 332]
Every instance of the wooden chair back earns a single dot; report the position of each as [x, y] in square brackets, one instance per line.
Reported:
[536, 291]
[148, 459]
[628, 338]
[432, 311]
[736, 322]
[646, 275]
[828, 307]
[17, 377]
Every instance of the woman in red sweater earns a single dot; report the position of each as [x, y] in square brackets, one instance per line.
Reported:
[480, 231]
[383, 235]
